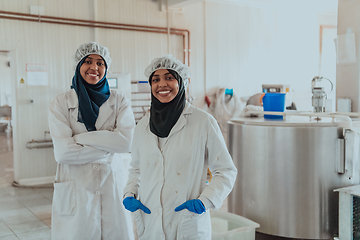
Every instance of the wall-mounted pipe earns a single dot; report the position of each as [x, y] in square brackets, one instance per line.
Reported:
[99, 24]
[39, 144]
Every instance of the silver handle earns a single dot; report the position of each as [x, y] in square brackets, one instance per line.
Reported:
[340, 165]
[348, 153]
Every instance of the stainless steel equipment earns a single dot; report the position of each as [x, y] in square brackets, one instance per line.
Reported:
[319, 97]
[287, 171]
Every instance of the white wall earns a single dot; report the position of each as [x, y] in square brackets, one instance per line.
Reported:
[278, 43]
[5, 80]
[348, 72]
[240, 46]
[54, 45]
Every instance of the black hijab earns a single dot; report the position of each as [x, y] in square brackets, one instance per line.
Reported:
[163, 116]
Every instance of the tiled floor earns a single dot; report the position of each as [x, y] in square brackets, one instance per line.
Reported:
[25, 213]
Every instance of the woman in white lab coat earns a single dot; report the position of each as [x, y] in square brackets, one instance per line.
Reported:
[172, 149]
[90, 125]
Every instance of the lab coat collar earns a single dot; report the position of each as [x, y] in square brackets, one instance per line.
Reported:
[182, 119]
[72, 100]
[188, 109]
[104, 112]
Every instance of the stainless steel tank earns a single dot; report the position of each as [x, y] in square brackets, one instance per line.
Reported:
[287, 171]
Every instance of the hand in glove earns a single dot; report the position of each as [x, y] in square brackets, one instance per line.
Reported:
[193, 205]
[132, 204]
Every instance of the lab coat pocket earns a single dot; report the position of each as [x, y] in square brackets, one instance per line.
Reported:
[139, 223]
[65, 198]
[194, 226]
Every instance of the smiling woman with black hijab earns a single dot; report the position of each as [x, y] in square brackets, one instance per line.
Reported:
[172, 149]
[89, 126]
[164, 114]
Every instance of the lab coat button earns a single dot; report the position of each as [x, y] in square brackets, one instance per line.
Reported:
[97, 192]
[95, 167]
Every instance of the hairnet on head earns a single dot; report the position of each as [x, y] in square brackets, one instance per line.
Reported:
[169, 62]
[92, 48]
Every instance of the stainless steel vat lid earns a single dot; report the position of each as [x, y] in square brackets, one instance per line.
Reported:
[290, 121]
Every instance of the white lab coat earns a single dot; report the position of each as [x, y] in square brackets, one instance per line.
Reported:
[87, 202]
[164, 179]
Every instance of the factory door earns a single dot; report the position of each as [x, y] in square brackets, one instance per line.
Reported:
[6, 121]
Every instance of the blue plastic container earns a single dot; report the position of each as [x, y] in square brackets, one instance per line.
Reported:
[274, 102]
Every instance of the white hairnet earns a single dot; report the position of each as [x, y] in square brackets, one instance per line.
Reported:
[169, 62]
[92, 48]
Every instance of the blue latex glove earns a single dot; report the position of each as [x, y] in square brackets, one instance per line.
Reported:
[193, 205]
[132, 204]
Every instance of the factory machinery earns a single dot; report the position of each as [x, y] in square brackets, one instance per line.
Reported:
[288, 170]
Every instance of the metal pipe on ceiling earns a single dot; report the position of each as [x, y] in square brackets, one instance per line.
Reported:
[100, 24]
